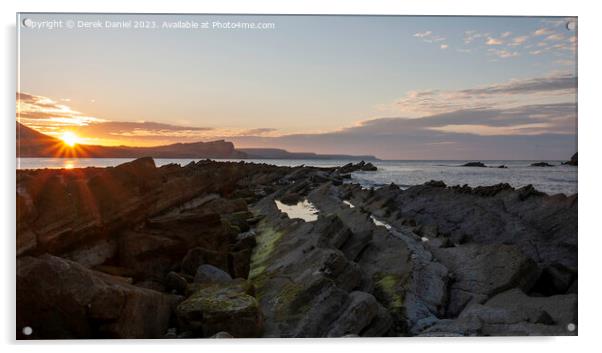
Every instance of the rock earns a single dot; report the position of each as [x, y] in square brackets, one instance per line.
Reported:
[291, 198]
[541, 164]
[361, 166]
[239, 219]
[481, 271]
[573, 160]
[369, 167]
[561, 308]
[543, 227]
[62, 299]
[221, 307]
[502, 167]
[235, 262]
[512, 313]
[361, 311]
[176, 282]
[430, 260]
[554, 279]
[474, 164]
[211, 274]
[149, 255]
[436, 184]
[502, 316]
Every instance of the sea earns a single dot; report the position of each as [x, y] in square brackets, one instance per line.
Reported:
[551, 180]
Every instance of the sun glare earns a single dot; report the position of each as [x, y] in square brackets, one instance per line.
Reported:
[69, 138]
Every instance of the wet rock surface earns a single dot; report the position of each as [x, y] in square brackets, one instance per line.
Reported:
[203, 250]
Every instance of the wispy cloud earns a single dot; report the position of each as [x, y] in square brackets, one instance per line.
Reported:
[506, 94]
[430, 37]
[554, 35]
[536, 131]
[48, 114]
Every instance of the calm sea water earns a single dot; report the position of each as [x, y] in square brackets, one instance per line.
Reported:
[558, 179]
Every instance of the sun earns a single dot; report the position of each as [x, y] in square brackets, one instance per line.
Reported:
[69, 138]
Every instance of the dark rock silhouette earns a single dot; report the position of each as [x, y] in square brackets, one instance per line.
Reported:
[573, 160]
[541, 164]
[474, 164]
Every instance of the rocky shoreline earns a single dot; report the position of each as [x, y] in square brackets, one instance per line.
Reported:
[203, 250]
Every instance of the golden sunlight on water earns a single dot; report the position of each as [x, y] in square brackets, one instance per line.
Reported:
[69, 164]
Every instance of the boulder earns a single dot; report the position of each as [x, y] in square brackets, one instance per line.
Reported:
[59, 298]
[210, 274]
[221, 307]
[176, 282]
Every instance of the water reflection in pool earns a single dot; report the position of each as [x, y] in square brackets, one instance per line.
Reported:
[304, 210]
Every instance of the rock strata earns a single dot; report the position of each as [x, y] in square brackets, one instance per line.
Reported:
[202, 250]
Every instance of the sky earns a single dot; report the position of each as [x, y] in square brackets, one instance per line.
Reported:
[391, 86]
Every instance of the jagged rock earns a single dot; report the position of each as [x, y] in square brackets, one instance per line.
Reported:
[555, 279]
[210, 274]
[481, 271]
[573, 160]
[149, 255]
[361, 311]
[512, 313]
[221, 307]
[361, 166]
[62, 299]
[543, 227]
[389, 262]
[369, 167]
[561, 308]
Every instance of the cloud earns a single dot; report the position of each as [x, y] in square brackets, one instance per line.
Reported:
[533, 118]
[429, 37]
[493, 41]
[471, 36]
[423, 34]
[561, 82]
[542, 32]
[502, 53]
[540, 131]
[258, 132]
[426, 102]
[518, 40]
[555, 37]
[49, 114]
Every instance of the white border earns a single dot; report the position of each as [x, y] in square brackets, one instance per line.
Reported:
[590, 129]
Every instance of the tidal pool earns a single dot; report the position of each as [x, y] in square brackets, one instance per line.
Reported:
[304, 210]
